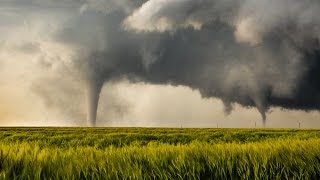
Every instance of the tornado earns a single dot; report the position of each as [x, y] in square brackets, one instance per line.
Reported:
[93, 94]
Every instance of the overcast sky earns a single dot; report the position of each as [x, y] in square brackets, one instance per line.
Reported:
[160, 63]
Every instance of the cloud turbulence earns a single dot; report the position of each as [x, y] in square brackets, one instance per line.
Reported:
[258, 54]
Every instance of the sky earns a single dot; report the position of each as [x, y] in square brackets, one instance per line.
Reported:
[160, 63]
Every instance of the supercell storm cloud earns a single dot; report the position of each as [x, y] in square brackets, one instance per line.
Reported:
[254, 53]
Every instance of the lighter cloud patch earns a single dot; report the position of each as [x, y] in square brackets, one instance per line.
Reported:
[247, 31]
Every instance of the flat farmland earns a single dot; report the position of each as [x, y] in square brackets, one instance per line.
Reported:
[158, 153]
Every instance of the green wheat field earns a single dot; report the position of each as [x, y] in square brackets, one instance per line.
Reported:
[159, 153]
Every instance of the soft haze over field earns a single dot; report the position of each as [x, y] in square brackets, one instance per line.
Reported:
[160, 62]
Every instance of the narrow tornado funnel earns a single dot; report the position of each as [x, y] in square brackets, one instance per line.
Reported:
[93, 93]
[261, 104]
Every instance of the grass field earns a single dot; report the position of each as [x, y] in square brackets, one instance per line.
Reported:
[151, 153]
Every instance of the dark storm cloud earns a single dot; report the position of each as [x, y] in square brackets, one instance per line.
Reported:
[255, 53]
